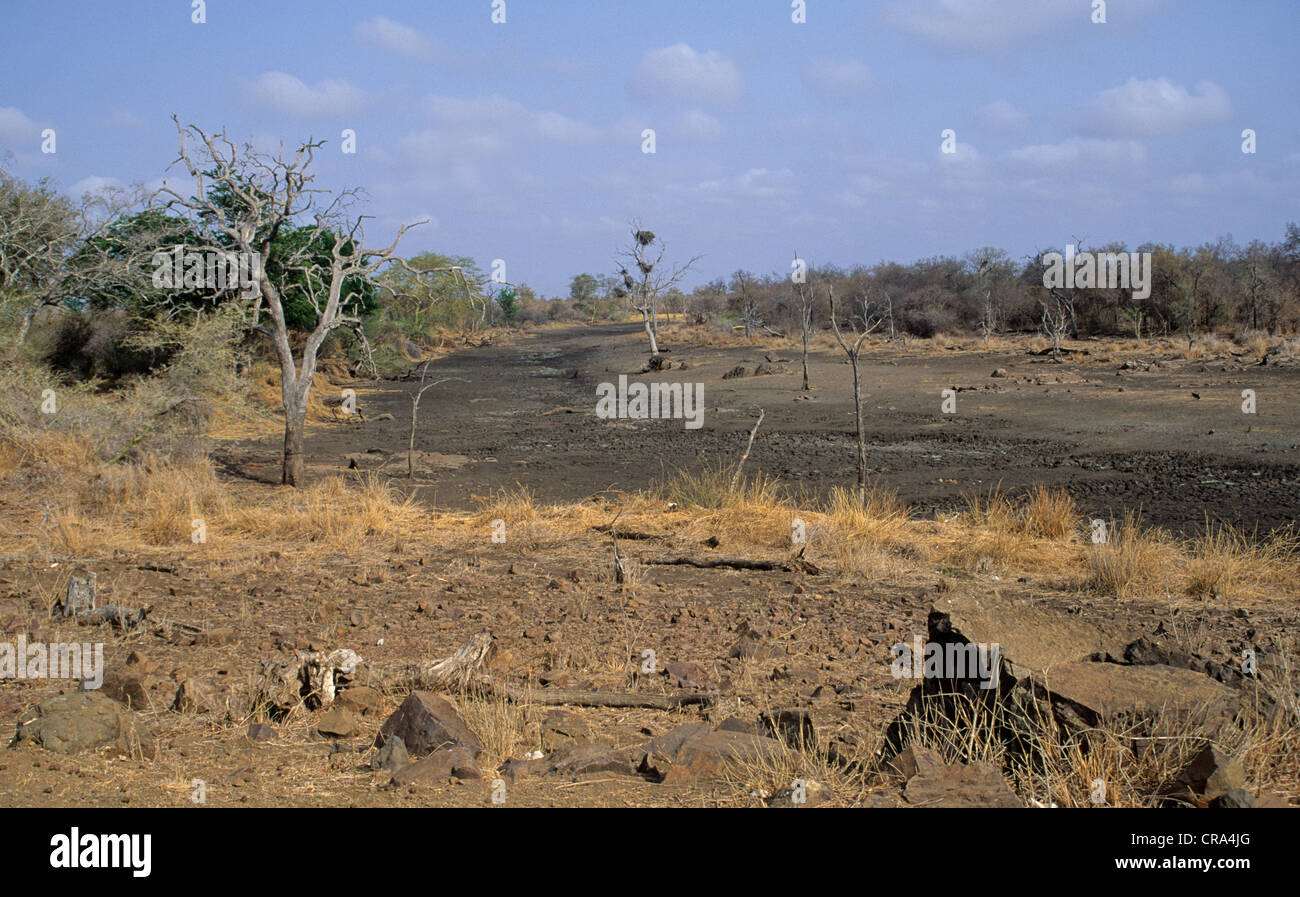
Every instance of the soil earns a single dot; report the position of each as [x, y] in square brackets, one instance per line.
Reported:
[524, 414]
[1136, 439]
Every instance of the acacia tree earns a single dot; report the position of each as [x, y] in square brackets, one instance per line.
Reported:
[861, 325]
[643, 293]
[253, 197]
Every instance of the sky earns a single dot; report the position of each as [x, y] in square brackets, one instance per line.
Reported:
[523, 140]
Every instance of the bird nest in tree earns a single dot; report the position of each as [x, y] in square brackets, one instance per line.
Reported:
[645, 267]
[644, 237]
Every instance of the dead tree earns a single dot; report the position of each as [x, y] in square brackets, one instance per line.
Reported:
[415, 410]
[265, 195]
[645, 287]
[53, 249]
[804, 308]
[869, 322]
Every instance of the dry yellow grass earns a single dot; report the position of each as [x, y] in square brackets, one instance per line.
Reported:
[1129, 560]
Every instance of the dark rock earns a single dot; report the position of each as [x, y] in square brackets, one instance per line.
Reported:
[735, 373]
[68, 724]
[794, 726]
[1237, 798]
[584, 759]
[1211, 773]
[392, 756]
[428, 722]
[452, 762]
[689, 674]
[338, 722]
[560, 729]
[916, 759]
[360, 699]
[261, 732]
[960, 785]
[128, 687]
[1084, 695]
[193, 696]
[735, 724]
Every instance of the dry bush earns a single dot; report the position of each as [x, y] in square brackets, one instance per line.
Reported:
[1050, 513]
[1224, 561]
[1128, 560]
[881, 521]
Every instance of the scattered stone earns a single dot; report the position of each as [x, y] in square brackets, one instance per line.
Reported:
[735, 724]
[689, 674]
[794, 726]
[338, 722]
[1237, 798]
[1212, 773]
[916, 759]
[261, 732]
[215, 638]
[804, 793]
[735, 373]
[193, 696]
[584, 759]
[688, 755]
[960, 785]
[999, 372]
[428, 722]
[360, 699]
[560, 729]
[128, 687]
[68, 724]
[451, 762]
[1084, 695]
[392, 756]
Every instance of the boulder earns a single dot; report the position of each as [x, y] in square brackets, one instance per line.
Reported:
[338, 722]
[694, 756]
[68, 724]
[443, 764]
[426, 723]
[960, 785]
[1211, 774]
[1085, 695]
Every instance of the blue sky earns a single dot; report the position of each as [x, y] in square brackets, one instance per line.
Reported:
[522, 141]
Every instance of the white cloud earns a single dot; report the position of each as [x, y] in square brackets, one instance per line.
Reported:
[755, 183]
[1157, 106]
[841, 78]
[1078, 151]
[994, 24]
[697, 125]
[289, 95]
[1000, 115]
[384, 33]
[497, 122]
[94, 184]
[681, 73]
[16, 127]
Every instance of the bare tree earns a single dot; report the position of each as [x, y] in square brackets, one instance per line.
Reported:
[53, 249]
[868, 323]
[643, 293]
[266, 194]
[415, 410]
[804, 309]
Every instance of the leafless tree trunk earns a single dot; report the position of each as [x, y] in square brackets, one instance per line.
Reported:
[268, 194]
[643, 294]
[854, 352]
[804, 308]
[415, 410]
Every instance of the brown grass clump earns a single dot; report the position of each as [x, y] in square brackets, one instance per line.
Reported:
[1128, 560]
[1050, 513]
